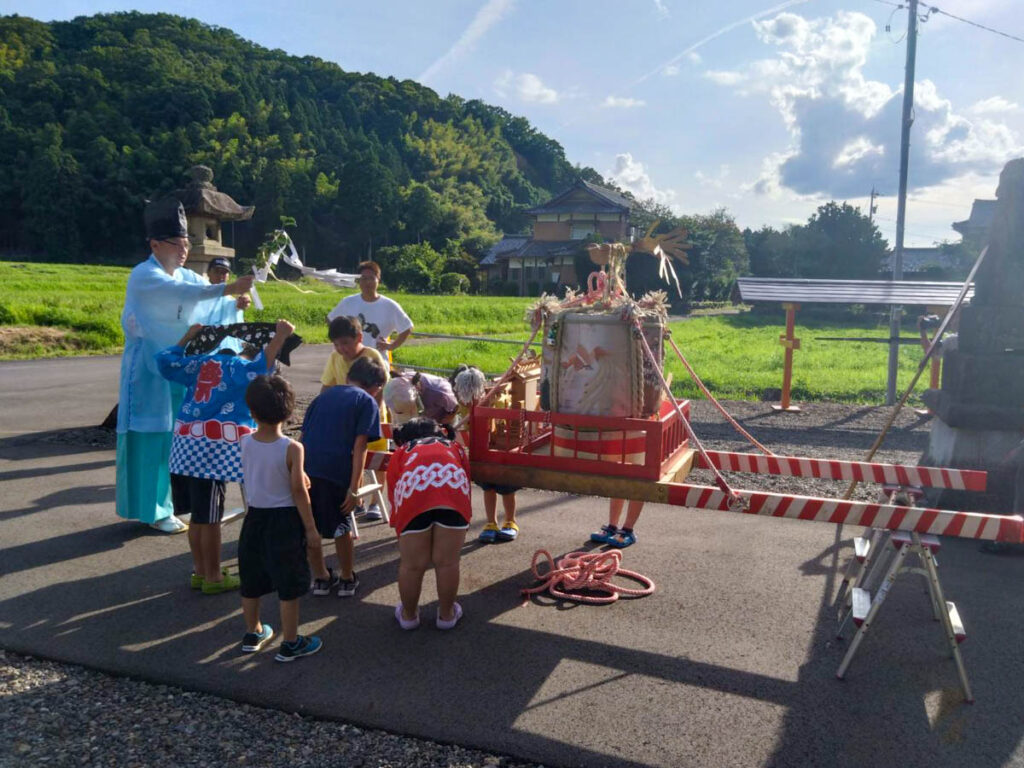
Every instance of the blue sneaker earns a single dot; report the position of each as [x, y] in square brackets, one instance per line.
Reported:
[624, 538]
[254, 641]
[604, 535]
[489, 534]
[303, 646]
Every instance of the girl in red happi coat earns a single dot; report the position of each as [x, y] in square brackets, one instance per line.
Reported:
[429, 489]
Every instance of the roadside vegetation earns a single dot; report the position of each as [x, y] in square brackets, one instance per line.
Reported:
[51, 310]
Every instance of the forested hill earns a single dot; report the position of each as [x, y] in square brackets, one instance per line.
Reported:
[101, 113]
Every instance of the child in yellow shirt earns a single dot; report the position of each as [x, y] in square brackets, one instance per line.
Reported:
[346, 334]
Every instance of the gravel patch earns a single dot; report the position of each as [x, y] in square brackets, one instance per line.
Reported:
[61, 715]
[820, 430]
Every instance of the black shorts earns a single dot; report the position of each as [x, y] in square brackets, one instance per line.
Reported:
[446, 518]
[326, 499]
[501, 490]
[199, 497]
[272, 553]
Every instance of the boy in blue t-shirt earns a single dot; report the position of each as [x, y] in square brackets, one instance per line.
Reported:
[205, 452]
[337, 427]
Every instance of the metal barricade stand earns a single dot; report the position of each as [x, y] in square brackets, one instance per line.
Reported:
[884, 552]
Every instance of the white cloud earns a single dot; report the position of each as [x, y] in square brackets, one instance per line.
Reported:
[844, 127]
[993, 105]
[690, 49]
[622, 102]
[716, 181]
[526, 86]
[631, 176]
[492, 12]
[671, 70]
[661, 8]
[723, 77]
[856, 150]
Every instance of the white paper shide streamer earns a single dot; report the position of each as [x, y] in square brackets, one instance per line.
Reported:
[290, 256]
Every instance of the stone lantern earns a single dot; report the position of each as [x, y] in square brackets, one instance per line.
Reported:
[206, 208]
[979, 410]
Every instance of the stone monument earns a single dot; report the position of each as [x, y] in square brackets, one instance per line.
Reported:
[979, 410]
[206, 208]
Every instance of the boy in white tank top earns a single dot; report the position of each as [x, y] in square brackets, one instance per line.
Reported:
[279, 537]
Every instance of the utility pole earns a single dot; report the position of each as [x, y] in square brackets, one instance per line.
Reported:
[872, 208]
[901, 205]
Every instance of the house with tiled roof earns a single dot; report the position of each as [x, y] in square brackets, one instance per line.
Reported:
[546, 259]
[980, 222]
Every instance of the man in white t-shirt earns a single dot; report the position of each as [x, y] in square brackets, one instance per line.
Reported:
[379, 315]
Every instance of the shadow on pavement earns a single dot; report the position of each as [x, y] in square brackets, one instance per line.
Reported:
[493, 684]
[66, 497]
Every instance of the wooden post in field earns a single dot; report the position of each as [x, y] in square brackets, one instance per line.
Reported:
[790, 342]
[936, 361]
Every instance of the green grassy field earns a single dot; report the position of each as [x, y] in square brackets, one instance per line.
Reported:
[49, 310]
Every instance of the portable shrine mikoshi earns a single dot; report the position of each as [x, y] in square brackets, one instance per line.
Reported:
[609, 426]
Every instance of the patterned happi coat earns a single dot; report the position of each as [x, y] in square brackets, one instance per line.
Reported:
[213, 416]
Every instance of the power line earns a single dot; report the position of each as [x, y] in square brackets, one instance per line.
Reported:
[933, 9]
[929, 201]
[929, 235]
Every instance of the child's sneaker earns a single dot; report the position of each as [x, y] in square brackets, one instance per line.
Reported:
[226, 584]
[489, 534]
[323, 587]
[604, 535]
[347, 587]
[509, 531]
[359, 511]
[622, 539]
[254, 641]
[303, 646]
[373, 512]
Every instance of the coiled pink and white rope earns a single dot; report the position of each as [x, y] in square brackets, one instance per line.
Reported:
[586, 571]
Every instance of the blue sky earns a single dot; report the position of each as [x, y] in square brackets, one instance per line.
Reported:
[765, 108]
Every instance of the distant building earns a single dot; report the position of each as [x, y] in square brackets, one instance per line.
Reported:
[935, 263]
[980, 222]
[546, 258]
[918, 261]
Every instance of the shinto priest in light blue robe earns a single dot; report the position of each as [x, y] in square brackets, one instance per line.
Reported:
[158, 310]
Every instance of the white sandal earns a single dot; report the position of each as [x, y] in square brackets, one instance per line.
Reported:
[443, 624]
[404, 623]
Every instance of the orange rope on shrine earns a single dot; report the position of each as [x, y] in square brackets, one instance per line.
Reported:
[736, 501]
[707, 393]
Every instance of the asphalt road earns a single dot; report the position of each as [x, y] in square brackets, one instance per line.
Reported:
[730, 663]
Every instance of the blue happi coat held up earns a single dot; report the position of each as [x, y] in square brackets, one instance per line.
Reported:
[158, 310]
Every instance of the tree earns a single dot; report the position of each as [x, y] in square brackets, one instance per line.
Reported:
[52, 192]
[771, 252]
[421, 211]
[413, 268]
[359, 160]
[717, 256]
[838, 241]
